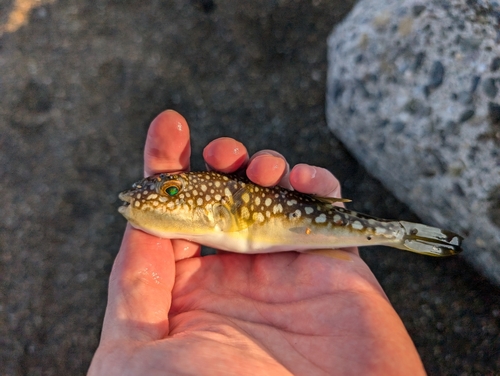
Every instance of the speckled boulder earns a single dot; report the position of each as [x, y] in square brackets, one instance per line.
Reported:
[413, 92]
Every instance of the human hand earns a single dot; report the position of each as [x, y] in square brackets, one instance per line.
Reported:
[170, 311]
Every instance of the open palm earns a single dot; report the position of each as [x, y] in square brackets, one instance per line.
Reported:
[173, 312]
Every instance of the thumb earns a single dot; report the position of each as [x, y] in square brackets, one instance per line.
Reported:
[140, 289]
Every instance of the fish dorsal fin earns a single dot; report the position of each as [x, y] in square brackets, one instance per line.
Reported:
[233, 213]
[330, 200]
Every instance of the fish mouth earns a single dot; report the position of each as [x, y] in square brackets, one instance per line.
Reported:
[127, 200]
[125, 197]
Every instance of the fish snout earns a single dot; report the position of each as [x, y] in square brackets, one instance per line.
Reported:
[126, 197]
[125, 208]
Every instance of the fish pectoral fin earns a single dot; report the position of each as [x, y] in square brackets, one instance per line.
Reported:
[240, 208]
[331, 253]
[331, 200]
[226, 219]
[223, 218]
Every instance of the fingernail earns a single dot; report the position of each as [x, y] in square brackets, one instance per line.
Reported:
[208, 151]
[154, 152]
[313, 172]
[274, 163]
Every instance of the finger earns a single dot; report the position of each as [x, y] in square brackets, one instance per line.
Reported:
[225, 155]
[168, 150]
[269, 168]
[314, 180]
[185, 249]
[140, 287]
[167, 144]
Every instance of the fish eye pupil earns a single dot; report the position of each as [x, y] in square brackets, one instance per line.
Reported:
[172, 190]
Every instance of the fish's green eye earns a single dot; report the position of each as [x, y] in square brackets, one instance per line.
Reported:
[172, 190]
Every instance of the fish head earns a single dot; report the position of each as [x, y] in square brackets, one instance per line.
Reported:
[158, 204]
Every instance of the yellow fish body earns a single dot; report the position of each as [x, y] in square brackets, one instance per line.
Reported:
[233, 214]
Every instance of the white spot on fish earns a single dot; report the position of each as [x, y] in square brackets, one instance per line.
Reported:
[258, 217]
[152, 196]
[204, 187]
[195, 192]
[337, 218]
[208, 198]
[291, 202]
[277, 209]
[170, 205]
[138, 196]
[309, 210]
[268, 214]
[257, 200]
[245, 214]
[137, 204]
[268, 201]
[218, 197]
[163, 199]
[199, 201]
[245, 197]
[217, 184]
[357, 225]
[320, 218]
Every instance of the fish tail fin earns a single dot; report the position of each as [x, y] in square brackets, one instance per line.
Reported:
[429, 240]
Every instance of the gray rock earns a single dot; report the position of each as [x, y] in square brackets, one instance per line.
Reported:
[412, 91]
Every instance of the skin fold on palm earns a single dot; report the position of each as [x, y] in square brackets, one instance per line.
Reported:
[171, 312]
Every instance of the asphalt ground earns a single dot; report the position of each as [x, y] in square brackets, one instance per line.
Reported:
[79, 83]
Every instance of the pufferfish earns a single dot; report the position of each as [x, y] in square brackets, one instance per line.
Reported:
[231, 213]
